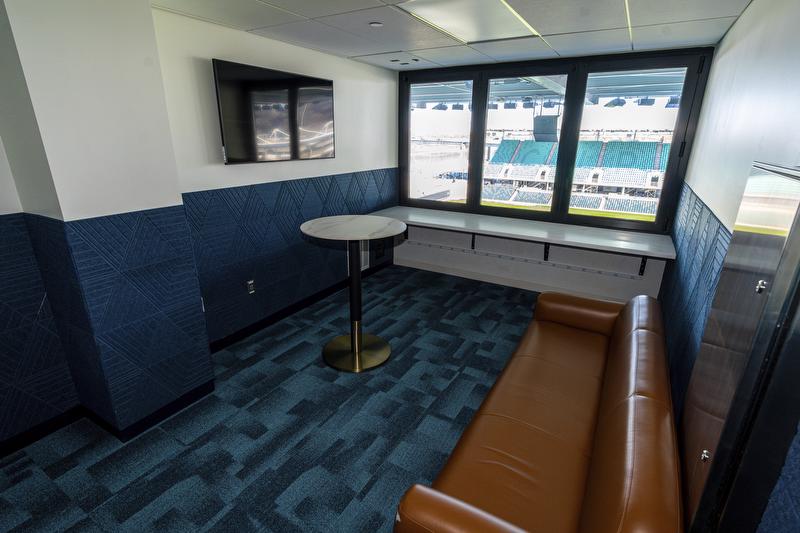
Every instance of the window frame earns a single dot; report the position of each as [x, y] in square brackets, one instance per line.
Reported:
[695, 60]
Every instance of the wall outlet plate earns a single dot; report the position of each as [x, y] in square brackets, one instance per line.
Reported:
[251, 286]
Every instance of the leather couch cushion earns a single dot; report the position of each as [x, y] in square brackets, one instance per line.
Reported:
[519, 473]
[581, 313]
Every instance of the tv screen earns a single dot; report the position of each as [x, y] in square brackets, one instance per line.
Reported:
[269, 115]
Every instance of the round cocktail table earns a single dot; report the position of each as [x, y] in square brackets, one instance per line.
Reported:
[355, 352]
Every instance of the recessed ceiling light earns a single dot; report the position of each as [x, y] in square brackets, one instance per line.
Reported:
[376, 24]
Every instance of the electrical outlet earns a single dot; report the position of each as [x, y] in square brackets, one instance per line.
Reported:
[251, 286]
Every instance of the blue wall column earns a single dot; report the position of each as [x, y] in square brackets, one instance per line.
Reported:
[35, 382]
[126, 299]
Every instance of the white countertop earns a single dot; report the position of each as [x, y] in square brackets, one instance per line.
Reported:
[609, 240]
[353, 227]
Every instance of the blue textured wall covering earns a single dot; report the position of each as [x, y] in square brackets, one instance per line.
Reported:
[782, 514]
[125, 292]
[253, 232]
[701, 242]
[35, 383]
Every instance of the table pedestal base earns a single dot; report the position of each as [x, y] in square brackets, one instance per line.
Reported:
[339, 352]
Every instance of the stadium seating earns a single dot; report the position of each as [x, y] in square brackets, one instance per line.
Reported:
[497, 192]
[585, 201]
[532, 196]
[624, 177]
[492, 170]
[630, 154]
[643, 206]
[533, 153]
[505, 151]
[588, 153]
[662, 166]
[523, 172]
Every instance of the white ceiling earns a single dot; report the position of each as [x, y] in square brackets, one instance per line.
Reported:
[429, 33]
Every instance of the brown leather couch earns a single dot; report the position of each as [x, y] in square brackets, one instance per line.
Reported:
[577, 434]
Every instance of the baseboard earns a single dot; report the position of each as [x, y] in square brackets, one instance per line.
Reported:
[28, 437]
[255, 327]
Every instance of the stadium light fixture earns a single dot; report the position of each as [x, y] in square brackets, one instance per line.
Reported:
[510, 105]
[440, 107]
[646, 101]
[674, 101]
[616, 102]
[457, 107]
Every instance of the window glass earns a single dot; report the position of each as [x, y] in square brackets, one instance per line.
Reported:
[523, 126]
[440, 117]
[625, 138]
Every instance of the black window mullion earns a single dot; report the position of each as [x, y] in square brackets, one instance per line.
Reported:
[568, 141]
[477, 139]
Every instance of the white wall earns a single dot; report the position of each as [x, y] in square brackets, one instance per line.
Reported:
[94, 79]
[751, 109]
[22, 142]
[365, 104]
[9, 200]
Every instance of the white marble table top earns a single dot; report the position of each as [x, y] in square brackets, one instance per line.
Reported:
[353, 227]
[609, 240]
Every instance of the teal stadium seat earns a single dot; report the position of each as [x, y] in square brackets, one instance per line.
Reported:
[505, 151]
[630, 154]
[588, 153]
[662, 166]
[533, 153]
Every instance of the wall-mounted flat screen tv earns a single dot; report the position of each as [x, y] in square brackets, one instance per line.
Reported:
[269, 115]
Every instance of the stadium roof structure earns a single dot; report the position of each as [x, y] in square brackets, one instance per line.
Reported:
[634, 84]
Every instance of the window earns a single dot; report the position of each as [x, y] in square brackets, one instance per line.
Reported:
[626, 131]
[523, 123]
[440, 122]
[592, 141]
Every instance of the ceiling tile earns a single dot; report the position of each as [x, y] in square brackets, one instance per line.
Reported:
[400, 30]
[453, 55]
[568, 16]
[469, 20]
[318, 36]
[396, 61]
[693, 33]
[515, 49]
[590, 42]
[646, 12]
[241, 14]
[321, 8]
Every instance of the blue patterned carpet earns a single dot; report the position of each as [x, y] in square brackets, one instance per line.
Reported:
[285, 443]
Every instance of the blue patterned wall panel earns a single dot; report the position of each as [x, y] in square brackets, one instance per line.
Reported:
[49, 239]
[701, 242]
[140, 285]
[126, 294]
[782, 514]
[35, 383]
[253, 232]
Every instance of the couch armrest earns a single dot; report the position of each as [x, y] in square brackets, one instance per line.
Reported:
[426, 510]
[598, 316]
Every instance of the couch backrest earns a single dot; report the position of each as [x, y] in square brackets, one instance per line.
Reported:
[634, 475]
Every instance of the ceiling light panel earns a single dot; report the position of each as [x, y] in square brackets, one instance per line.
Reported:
[453, 55]
[646, 12]
[469, 20]
[240, 14]
[396, 61]
[568, 16]
[693, 33]
[321, 8]
[313, 34]
[591, 42]
[400, 30]
[515, 49]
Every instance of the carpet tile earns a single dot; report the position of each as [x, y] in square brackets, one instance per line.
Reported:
[285, 443]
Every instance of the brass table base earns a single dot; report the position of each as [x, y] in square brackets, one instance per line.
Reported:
[338, 353]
